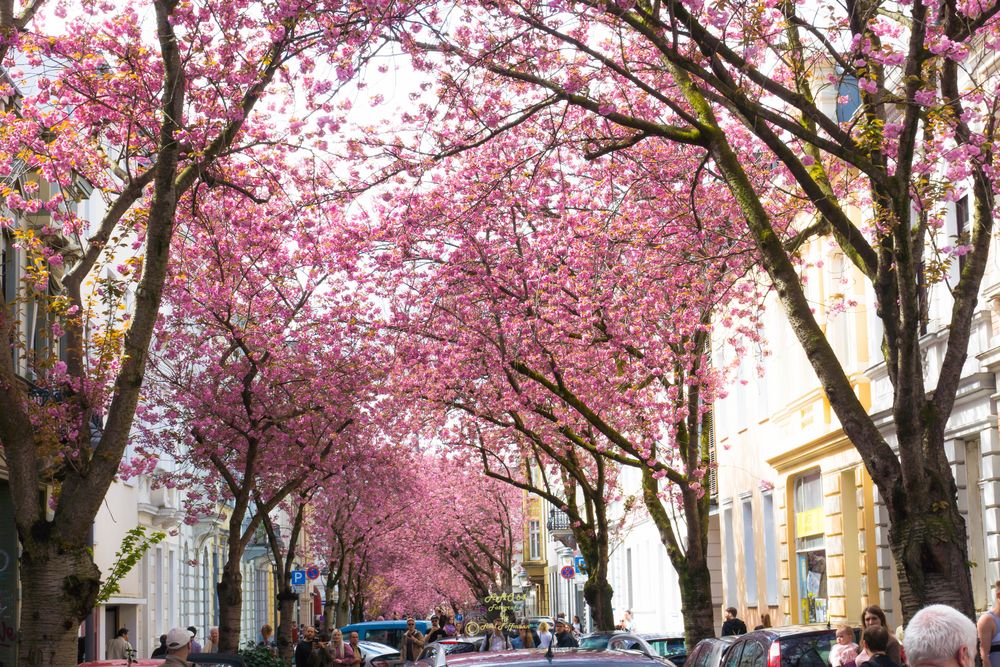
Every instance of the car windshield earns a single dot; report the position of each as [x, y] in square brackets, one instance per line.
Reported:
[595, 641]
[808, 651]
[667, 647]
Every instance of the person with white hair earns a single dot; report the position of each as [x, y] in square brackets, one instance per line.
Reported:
[940, 636]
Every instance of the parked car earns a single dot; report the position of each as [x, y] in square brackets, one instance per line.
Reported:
[559, 657]
[789, 646]
[208, 659]
[375, 650]
[384, 632]
[709, 652]
[452, 646]
[664, 643]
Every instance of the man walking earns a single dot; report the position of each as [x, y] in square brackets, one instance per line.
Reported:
[178, 648]
[119, 648]
[733, 625]
[940, 636]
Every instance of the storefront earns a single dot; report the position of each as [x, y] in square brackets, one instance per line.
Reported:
[810, 547]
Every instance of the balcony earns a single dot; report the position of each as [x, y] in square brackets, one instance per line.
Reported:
[560, 528]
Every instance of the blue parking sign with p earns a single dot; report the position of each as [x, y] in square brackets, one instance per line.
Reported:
[580, 564]
[298, 577]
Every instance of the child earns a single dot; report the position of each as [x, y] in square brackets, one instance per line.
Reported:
[845, 651]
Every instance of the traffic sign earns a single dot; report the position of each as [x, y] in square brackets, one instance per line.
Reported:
[298, 589]
[298, 577]
[568, 572]
[312, 572]
[580, 564]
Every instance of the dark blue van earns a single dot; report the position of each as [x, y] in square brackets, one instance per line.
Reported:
[389, 633]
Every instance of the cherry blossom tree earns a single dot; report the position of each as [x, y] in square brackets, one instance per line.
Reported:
[742, 85]
[144, 101]
[260, 374]
[559, 311]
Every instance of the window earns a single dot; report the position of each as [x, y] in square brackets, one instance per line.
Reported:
[730, 556]
[749, 553]
[753, 655]
[534, 540]
[770, 551]
[847, 88]
[810, 548]
[808, 651]
[732, 656]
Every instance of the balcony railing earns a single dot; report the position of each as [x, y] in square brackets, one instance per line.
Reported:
[558, 521]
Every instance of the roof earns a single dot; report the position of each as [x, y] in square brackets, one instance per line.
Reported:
[382, 625]
[568, 657]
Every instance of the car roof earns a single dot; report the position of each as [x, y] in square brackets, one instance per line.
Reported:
[787, 630]
[539, 658]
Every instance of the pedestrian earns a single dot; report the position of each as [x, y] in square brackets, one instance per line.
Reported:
[875, 639]
[395, 616]
[266, 631]
[733, 625]
[988, 628]
[195, 646]
[845, 651]
[577, 626]
[940, 636]
[320, 656]
[874, 616]
[412, 643]
[161, 650]
[495, 640]
[305, 647]
[178, 648]
[629, 623]
[119, 648]
[212, 644]
[359, 656]
[436, 632]
[544, 636]
[342, 654]
[526, 636]
[564, 635]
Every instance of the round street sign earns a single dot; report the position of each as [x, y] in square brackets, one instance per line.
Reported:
[312, 572]
[568, 572]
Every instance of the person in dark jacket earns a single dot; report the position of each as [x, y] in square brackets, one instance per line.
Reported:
[305, 647]
[564, 635]
[161, 650]
[876, 640]
[733, 625]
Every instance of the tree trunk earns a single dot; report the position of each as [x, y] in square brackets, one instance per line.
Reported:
[230, 591]
[64, 584]
[286, 621]
[927, 536]
[697, 608]
[598, 593]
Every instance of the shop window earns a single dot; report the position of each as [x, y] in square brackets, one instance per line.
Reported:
[810, 548]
